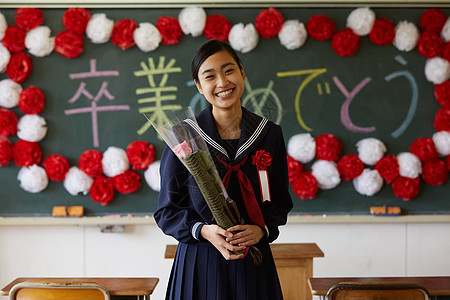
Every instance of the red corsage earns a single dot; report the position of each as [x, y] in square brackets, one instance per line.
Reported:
[269, 22]
[102, 190]
[217, 27]
[305, 186]
[8, 122]
[170, 30]
[14, 39]
[27, 153]
[294, 168]
[434, 172]
[28, 18]
[127, 182]
[262, 160]
[56, 166]
[6, 151]
[424, 148]
[76, 19]
[442, 93]
[327, 147]
[430, 44]
[388, 168]
[31, 100]
[90, 162]
[345, 42]
[433, 20]
[350, 166]
[122, 34]
[19, 67]
[320, 27]
[442, 120]
[140, 154]
[69, 44]
[382, 32]
[405, 187]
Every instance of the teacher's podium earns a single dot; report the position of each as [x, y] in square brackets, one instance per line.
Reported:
[294, 265]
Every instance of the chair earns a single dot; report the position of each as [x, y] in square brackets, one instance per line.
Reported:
[51, 290]
[378, 291]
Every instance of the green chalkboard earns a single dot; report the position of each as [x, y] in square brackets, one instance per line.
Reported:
[272, 85]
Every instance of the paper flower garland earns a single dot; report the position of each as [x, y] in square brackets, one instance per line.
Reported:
[19, 67]
[33, 179]
[127, 182]
[69, 44]
[56, 166]
[326, 174]
[6, 151]
[14, 39]
[327, 147]
[32, 128]
[90, 162]
[192, 20]
[383, 32]
[437, 70]
[3, 25]
[433, 20]
[28, 18]
[370, 150]
[99, 29]
[302, 147]
[31, 100]
[424, 149]
[115, 161]
[8, 122]
[406, 188]
[147, 37]
[442, 93]
[305, 186]
[140, 154]
[409, 165]
[217, 27]
[122, 33]
[170, 30]
[388, 168]
[76, 19]
[152, 176]
[294, 168]
[320, 27]
[441, 140]
[293, 34]
[368, 183]
[350, 166]
[345, 42]
[4, 58]
[406, 36]
[102, 190]
[361, 20]
[269, 22]
[27, 153]
[77, 182]
[430, 44]
[434, 172]
[243, 38]
[39, 42]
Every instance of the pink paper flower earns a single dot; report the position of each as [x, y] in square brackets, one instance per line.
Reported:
[182, 150]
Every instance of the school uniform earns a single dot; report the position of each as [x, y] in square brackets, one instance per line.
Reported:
[199, 270]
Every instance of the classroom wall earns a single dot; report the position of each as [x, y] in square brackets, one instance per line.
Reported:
[350, 250]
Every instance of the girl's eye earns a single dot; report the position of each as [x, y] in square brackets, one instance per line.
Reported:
[229, 71]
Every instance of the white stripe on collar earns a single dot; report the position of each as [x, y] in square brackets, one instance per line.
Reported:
[254, 136]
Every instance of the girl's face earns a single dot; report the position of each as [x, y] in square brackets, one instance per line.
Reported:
[221, 81]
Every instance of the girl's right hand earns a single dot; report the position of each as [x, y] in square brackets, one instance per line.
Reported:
[217, 237]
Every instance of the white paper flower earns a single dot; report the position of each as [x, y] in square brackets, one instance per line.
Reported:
[409, 165]
[192, 20]
[77, 181]
[370, 150]
[442, 141]
[115, 161]
[153, 177]
[147, 37]
[3, 26]
[32, 128]
[437, 70]
[445, 32]
[99, 28]
[38, 41]
[33, 179]
[4, 58]
[368, 183]
[406, 36]
[326, 173]
[243, 38]
[293, 34]
[361, 20]
[302, 147]
[9, 93]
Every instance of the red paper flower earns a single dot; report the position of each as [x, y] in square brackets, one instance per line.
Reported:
[424, 148]
[262, 160]
[122, 34]
[6, 151]
[327, 147]
[442, 93]
[102, 190]
[217, 27]
[90, 162]
[434, 172]
[269, 22]
[56, 166]
[430, 44]
[447, 162]
[305, 186]
[76, 19]
[350, 166]
[320, 27]
[140, 154]
[405, 187]
[127, 182]
[433, 20]
[294, 168]
[382, 32]
[19, 67]
[31, 100]
[170, 30]
[28, 18]
[27, 153]
[14, 39]
[8, 122]
[442, 120]
[445, 54]
[388, 168]
[345, 42]
[69, 44]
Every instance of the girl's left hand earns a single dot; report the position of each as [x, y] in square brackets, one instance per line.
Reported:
[246, 235]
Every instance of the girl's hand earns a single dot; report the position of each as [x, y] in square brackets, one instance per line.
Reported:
[246, 235]
[216, 236]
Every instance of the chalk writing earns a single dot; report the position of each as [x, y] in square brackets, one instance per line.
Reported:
[260, 101]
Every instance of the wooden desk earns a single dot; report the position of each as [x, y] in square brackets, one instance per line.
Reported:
[294, 266]
[115, 286]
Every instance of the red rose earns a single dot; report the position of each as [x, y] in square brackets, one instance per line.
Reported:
[8, 122]
[405, 187]
[320, 27]
[442, 120]
[327, 147]
[430, 44]
[217, 27]
[102, 190]
[19, 67]
[170, 30]
[90, 162]
[350, 166]
[28, 18]
[294, 168]
[6, 151]
[262, 160]
[269, 22]
[69, 44]
[442, 93]
[140, 154]
[433, 20]
[127, 182]
[76, 19]
[382, 32]
[424, 148]
[388, 168]
[122, 34]
[345, 42]
[31, 100]
[14, 39]
[305, 186]
[56, 166]
[434, 172]
[27, 153]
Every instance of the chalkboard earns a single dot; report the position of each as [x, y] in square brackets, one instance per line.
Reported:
[383, 103]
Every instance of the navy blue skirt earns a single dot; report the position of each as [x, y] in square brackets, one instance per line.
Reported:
[200, 272]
